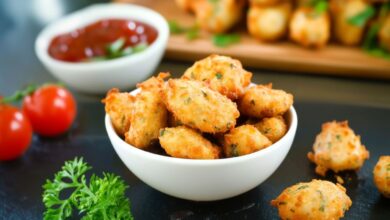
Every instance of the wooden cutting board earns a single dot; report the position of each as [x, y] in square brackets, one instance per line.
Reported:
[286, 56]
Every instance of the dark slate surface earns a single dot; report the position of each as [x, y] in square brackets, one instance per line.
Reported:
[21, 180]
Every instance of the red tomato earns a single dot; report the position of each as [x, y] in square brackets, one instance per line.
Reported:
[15, 132]
[51, 110]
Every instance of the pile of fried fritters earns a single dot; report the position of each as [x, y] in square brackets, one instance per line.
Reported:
[211, 112]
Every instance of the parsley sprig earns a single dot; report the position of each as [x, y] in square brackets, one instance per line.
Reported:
[100, 198]
[363, 17]
[191, 33]
[370, 42]
[224, 40]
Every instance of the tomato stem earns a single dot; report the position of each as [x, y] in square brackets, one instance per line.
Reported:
[19, 94]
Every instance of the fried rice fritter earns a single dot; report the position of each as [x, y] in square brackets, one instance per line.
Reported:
[263, 101]
[220, 73]
[199, 107]
[337, 148]
[243, 140]
[119, 107]
[382, 175]
[315, 200]
[184, 142]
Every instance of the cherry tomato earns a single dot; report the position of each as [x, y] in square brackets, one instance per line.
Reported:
[15, 132]
[51, 110]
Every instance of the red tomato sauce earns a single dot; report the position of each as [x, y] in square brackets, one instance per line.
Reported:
[92, 41]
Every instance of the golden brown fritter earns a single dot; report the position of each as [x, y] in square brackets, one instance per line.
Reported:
[187, 5]
[263, 101]
[273, 128]
[310, 28]
[342, 11]
[149, 113]
[119, 107]
[315, 200]
[337, 148]
[269, 23]
[154, 83]
[299, 3]
[244, 140]
[382, 175]
[218, 16]
[220, 73]
[384, 33]
[184, 142]
[265, 2]
[197, 106]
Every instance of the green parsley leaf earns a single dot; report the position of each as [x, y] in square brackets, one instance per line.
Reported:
[323, 203]
[102, 198]
[320, 6]
[370, 38]
[192, 33]
[302, 187]
[218, 75]
[224, 40]
[379, 52]
[362, 18]
[175, 28]
[234, 150]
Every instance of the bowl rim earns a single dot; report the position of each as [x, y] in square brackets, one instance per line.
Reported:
[45, 36]
[202, 162]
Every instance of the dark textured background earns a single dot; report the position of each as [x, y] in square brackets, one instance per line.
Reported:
[366, 104]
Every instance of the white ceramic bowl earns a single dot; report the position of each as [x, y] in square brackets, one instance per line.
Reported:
[99, 77]
[204, 180]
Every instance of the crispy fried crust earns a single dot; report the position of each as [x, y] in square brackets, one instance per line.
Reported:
[187, 5]
[316, 200]
[384, 33]
[218, 16]
[149, 113]
[119, 107]
[244, 140]
[222, 74]
[269, 23]
[197, 106]
[263, 101]
[341, 10]
[184, 142]
[337, 148]
[308, 28]
[264, 2]
[273, 128]
[382, 175]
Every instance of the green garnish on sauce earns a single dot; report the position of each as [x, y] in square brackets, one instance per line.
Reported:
[99, 198]
[116, 49]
